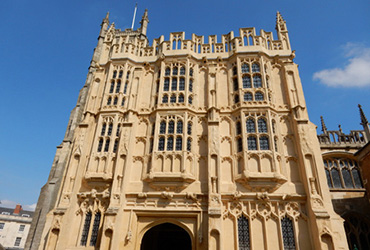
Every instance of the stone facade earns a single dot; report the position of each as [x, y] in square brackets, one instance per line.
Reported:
[202, 145]
[14, 227]
[346, 161]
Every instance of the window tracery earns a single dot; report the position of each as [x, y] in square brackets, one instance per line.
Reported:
[257, 130]
[342, 173]
[167, 128]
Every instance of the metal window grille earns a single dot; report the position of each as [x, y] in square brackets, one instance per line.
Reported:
[288, 233]
[175, 71]
[257, 82]
[262, 125]
[243, 233]
[85, 230]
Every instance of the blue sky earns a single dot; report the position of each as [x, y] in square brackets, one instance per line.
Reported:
[46, 47]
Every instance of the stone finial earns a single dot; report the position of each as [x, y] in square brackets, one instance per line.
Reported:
[323, 126]
[144, 22]
[364, 120]
[280, 23]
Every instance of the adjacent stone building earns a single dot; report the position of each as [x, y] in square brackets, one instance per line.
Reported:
[14, 227]
[347, 164]
[188, 144]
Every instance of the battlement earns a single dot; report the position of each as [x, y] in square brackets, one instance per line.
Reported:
[356, 138]
[134, 42]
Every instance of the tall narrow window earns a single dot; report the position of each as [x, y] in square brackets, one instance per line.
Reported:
[109, 101]
[111, 87]
[171, 127]
[288, 233]
[115, 146]
[236, 84]
[125, 88]
[262, 125]
[181, 98]
[252, 143]
[95, 229]
[251, 127]
[190, 100]
[114, 74]
[238, 128]
[115, 100]
[118, 129]
[120, 74]
[235, 71]
[188, 145]
[123, 101]
[17, 242]
[167, 72]
[264, 143]
[170, 143]
[178, 143]
[182, 84]
[166, 85]
[189, 128]
[191, 85]
[128, 75]
[236, 99]
[175, 71]
[118, 87]
[103, 128]
[161, 144]
[174, 84]
[100, 145]
[173, 98]
[257, 82]
[110, 128]
[240, 144]
[179, 127]
[243, 233]
[191, 72]
[85, 230]
[106, 148]
[162, 127]
[165, 99]
[247, 83]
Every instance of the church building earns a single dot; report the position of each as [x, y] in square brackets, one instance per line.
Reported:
[190, 144]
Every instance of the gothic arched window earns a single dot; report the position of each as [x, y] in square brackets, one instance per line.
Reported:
[264, 143]
[173, 98]
[166, 85]
[95, 229]
[252, 143]
[162, 127]
[287, 231]
[165, 99]
[86, 229]
[179, 127]
[170, 143]
[182, 84]
[178, 143]
[255, 67]
[245, 68]
[182, 71]
[243, 233]
[238, 128]
[174, 84]
[259, 96]
[342, 173]
[167, 72]
[247, 83]
[118, 87]
[248, 96]
[262, 125]
[181, 98]
[257, 82]
[171, 127]
[161, 143]
[251, 127]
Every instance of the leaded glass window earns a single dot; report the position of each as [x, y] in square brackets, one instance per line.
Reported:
[106, 148]
[247, 83]
[170, 143]
[111, 87]
[251, 127]
[120, 74]
[190, 100]
[165, 99]
[252, 143]
[95, 229]
[115, 146]
[118, 87]
[259, 96]
[178, 143]
[103, 128]
[182, 71]
[114, 74]
[167, 72]
[85, 229]
[100, 145]
[191, 85]
[264, 143]
[174, 84]
[179, 127]
[166, 85]
[128, 75]
[191, 72]
[257, 82]
[162, 127]
[188, 145]
[182, 84]
[173, 98]
[288, 233]
[262, 125]
[342, 173]
[189, 128]
[123, 101]
[171, 127]
[175, 71]
[125, 88]
[245, 68]
[255, 67]
[115, 101]
[248, 96]
[110, 128]
[181, 98]
[243, 233]
[109, 101]
[161, 144]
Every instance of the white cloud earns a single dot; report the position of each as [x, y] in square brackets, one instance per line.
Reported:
[12, 204]
[356, 73]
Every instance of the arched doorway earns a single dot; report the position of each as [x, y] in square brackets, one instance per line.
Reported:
[166, 236]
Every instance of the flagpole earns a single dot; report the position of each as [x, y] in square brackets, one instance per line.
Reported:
[133, 19]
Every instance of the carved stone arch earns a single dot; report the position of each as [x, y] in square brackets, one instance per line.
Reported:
[144, 120]
[292, 210]
[138, 158]
[108, 119]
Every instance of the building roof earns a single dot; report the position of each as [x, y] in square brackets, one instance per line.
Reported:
[23, 213]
